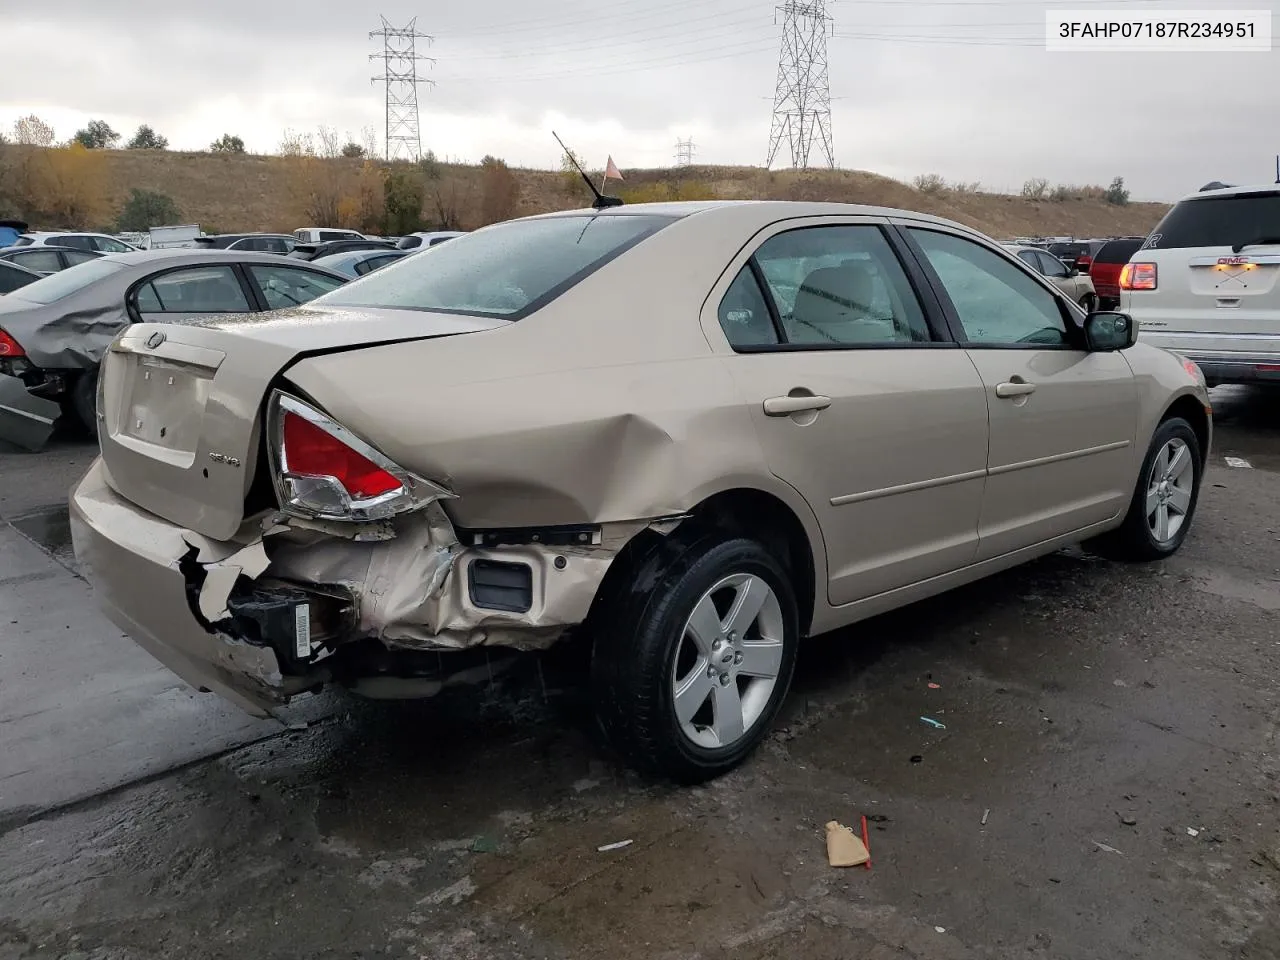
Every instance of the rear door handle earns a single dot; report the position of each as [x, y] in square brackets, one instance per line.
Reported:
[1014, 389]
[786, 406]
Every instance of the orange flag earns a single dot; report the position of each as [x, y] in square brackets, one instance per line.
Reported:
[611, 171]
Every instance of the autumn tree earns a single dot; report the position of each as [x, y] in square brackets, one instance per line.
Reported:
[63, 185]
[227, 144]
[32, 132]
[147, 139]
[98, 135]
[499, 191]
[352, 150]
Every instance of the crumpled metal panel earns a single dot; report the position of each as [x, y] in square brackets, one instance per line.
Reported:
[56, 338]
[25, 420]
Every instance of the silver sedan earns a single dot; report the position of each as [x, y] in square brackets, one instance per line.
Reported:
[54, 332]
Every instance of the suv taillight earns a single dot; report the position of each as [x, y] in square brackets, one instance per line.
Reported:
[324, 471]
[10, 347]
[1138, 276]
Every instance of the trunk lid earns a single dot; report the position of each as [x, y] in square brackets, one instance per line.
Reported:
[179, 404]
[1212, 291]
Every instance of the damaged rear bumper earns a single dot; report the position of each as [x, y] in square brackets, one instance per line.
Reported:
[219, 614]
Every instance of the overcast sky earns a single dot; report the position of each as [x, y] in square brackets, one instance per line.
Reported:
[963, 88]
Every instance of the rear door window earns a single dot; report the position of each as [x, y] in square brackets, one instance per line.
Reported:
[213, 289]
[1219, 222]
[108, 245]
[840, 285]
[77, 242]
[41, 261]
[284, 287]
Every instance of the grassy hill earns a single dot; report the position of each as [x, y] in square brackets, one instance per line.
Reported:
[238, 192]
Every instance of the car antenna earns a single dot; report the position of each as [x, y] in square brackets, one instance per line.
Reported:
[601, 200]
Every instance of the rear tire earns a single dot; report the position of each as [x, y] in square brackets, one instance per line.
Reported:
[690, 668]
[84, 400]
[1164, 500]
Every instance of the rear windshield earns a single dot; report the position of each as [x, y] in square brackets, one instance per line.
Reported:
[69, 281]
[508, 270]
[1219, 222]
[1118, 251]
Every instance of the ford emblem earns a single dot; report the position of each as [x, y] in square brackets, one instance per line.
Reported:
[155, 340]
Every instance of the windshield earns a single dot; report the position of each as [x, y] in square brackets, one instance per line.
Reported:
[1219, 222]
[508, 270]
[69, 281]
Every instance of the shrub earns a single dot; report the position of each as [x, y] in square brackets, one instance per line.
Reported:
[146, 209]
[227, 144]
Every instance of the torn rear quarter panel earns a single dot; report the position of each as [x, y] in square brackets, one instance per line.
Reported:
[412, 590]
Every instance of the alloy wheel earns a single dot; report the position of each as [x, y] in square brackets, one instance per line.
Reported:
[727, 661]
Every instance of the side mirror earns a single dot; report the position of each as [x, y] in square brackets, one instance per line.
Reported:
[1106, 331]
[1074, 272]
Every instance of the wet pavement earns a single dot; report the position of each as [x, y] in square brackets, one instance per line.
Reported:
[1107, 783]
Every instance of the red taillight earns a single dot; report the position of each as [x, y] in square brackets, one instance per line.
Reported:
[324, 471]
[310, 451]
[1138, 276]
[10, 347]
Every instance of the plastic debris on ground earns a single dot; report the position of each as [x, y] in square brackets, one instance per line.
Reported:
[1238, 463]
[614, 846]
[936, 724]
[844, 849]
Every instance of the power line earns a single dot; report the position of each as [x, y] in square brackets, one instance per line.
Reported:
[681, 33]
[400, 59]
[739, 49]
[802, 100]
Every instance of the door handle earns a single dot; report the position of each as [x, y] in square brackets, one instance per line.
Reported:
[786, 406]
[1015, 388]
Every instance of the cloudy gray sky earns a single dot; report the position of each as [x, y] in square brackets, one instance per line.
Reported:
[963, 88]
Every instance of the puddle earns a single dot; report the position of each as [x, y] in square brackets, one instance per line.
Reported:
[1264, 595]
[51, 530]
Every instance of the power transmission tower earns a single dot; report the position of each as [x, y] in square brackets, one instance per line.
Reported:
[400, 59]
[684, 152]
[802, 102]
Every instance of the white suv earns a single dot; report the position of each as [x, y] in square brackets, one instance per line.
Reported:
[99, 242]
[1206, 284]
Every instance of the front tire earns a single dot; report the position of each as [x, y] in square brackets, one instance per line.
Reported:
[1164, 501]
[1088, 303]
[690, 671]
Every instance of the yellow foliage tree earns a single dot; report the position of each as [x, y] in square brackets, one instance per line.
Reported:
[67, 186]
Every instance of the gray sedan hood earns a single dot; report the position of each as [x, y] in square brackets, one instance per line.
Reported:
[68, 334]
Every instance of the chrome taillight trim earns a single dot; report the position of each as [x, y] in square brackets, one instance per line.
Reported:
[414, 492]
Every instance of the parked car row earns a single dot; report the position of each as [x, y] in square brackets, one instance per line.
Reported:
[55, 330]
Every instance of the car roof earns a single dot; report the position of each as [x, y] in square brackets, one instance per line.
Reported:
[761, 212]
[177, 255]
[42, 247]
[1270, 188]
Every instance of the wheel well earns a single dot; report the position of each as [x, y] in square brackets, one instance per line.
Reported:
[763, 517]
[1191, 410]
